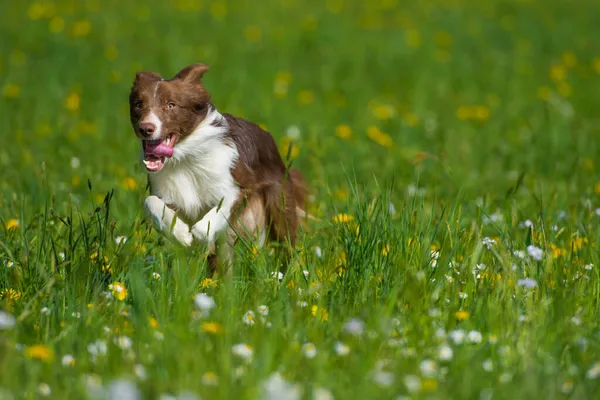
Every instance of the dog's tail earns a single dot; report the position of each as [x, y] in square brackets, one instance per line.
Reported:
[300, 191]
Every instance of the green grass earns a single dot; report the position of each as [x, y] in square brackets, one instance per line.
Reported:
[456, 112]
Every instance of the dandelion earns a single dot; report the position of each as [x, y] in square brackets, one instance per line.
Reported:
[248, 318]
[474, 337]
[527, 283]
[343, 131]
[209, 378]
[461, 315]
[68, 360]
[7, 321]
[428, 368]
[354, 326]
[44, 389]
[341, 349]
[309, 350]
[445, 353]
[212, 327]
[119, 291]
[535, 252]
[72, 102]
[204, 302]
[243, 351]
[12, 224]
[277, 388]
[343, 218]
[123, 390]
[39, 352]
[457, 336]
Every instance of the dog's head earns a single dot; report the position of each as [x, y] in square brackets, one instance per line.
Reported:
[164, 112]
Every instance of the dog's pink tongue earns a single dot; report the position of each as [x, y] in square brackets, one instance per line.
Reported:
[158, 149]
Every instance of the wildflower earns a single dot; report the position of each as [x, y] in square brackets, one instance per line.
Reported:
[457, 336]
[44, 389]
[277, 388]
[119, 291]
[243, 351]
[209, 378]
[487, 242]
[156, 275]
[433, 313]
[72, 102]
[412, 383]
[343, 218]
[39, 352]
[7, 321]
[354, 326]
[428, 368]
[487, 365]
[123, 390]
[248, 318]
[320, 393]
[309, 350]
[535, 252]
[306, 97]
[82, 28]
[208, 283]
[445, 353]
[277, 275]
[97, 348]
[12, 224]
[461, 315]
[440, 333]
[588, 267]
[527, 283]
[474, 337]
[343, 131]
[9, 264]
[594, 371]
[120, 240]
[75, 163]
[11, 91]
[45, 311]
[212, 327]
[302, 304]
[462, 295]
[505, 377]
[123, 342]
[204, 302]
[321, 312]
[68, 360]
[519, 253]
[567, 386]
[576, 321]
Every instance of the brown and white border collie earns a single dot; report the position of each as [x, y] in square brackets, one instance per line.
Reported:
[210, 173]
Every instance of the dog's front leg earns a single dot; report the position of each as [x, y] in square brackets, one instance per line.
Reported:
[215, 221]
[166, 221]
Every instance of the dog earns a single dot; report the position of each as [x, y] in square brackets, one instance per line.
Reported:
[213, 177]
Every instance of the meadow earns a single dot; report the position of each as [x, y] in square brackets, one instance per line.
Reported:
[451, 149]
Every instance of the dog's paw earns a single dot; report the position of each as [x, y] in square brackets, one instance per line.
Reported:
[203, 231]
[182, 233]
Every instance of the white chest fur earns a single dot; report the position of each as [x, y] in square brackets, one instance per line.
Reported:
[198, 176]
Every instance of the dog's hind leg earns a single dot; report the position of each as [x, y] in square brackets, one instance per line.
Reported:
[166, 221]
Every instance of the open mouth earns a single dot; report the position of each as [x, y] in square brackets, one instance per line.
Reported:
[156, 151]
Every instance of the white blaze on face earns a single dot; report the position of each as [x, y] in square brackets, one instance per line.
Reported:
[153, 119]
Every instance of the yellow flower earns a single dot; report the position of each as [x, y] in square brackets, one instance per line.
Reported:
[306, 97]
[208, 283]
[564, 89]
[383, 111]
[118, 290]
[218, 10]
[557, 251]
[252, 33]
[386, 250]
[11, 91]
[72, 102]
[544, 93]
[379, 137]
[322, 313]
[81, 28]
[111, 52]
[343, 131]
[596, 63]
[462, 315]
[340, 194]
[577, 244]
[558, 73]
[412, 38]
[429, 385]
[569, 59]
[411, 119]
[212, 327]
[281, 84]
[129, 183]
[284, 148]
[39, 352]
[343, 218]
[153, 322]
[56, 25]
[36, 11]
[10, 294]
[12, 224]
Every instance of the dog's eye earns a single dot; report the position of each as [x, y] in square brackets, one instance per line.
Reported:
[171, 106]
[138, 104]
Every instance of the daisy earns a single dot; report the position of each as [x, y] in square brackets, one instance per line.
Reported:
[341, 349]
[309, 350]
[243, 351]
[248, 318]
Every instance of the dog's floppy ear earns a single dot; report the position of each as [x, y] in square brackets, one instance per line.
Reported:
[192, 73]
[149, 76]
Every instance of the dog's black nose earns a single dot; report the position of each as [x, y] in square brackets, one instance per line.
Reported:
[147, 128]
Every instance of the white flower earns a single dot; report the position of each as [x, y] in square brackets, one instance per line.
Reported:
[68, 360]
[248, 318]
[277, 275]
[445, 353]
[527, 283]
[204, 302]
[122, 390]
[428, 368]
[519, 253]
[488, 242]
[263, 310]
[462, 295]
[318, 252]
[44, 389]
[309, 350]
[495, 217]
[243, 351]
[97, 348]
[384, 378]
[320, 393]
[9, 264]
[293, 132]
[588, 267]
[457, 336]
[277, 388]
[505, 377]
[7, 321]
[392, 209]
[93, 385]
[594, 371]
[140, 371]
[302, 304]
[535, 252]
[487, 365]
[598, 211]
[341, 349]
[120, 240]
[474, 337]
[528, 224]
[123, 342]
[354, 326]
[412, 383]
[209, 378]
[440, 333]
[156, 275]
[433, 313]
[75, 163]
